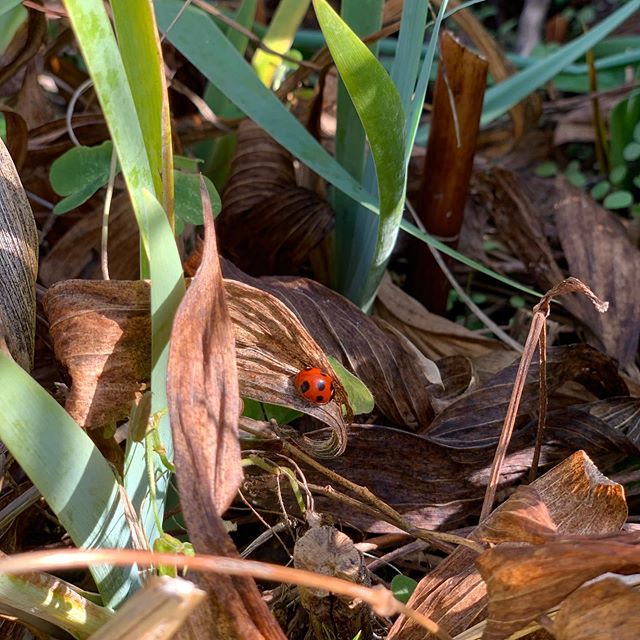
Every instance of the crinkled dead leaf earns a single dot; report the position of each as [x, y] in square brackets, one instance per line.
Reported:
[606, 609]
[18, 264]
[263, 208]
[394, 371]
[574, 497]
[204, 407]
[434, 335]
[476, 418]
[272, 347]
[524, 517]
[101, 333]
[599, 251]
[523, 581]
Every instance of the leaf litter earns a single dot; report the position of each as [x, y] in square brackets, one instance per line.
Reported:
[441, 389]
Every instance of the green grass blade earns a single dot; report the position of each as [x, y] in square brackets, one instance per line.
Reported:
[141, 55]
[423, 83]
[406, 63]
[218, 153]
[67, 468]
[499, 99]
[98, 44]
[167, 289]
[357, 232]
[364, 18]
[456, 255]
[279, 36]
[380, 110]
[196, 37]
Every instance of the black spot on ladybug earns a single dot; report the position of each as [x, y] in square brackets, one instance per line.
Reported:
[320, 385]
[319, 399]
[304, 387]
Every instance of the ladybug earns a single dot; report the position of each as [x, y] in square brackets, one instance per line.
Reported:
[315, 385]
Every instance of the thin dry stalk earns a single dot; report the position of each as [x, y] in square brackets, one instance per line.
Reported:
[536, 337]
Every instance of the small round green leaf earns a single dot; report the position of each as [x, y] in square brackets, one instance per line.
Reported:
[576, 178]
[618, 200]
[547, 169]
[618, 174]
[631, 152]
[80, 166]
[600, 190]
[402, 587]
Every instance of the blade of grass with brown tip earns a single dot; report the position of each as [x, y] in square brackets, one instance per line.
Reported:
[204, 406]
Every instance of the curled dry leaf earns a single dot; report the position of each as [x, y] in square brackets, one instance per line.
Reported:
[18, 264]
[606, 609]
[393, 371]
[101, 333]
[476, 419]
[600, 252]
[524, 581]
[202, 391]
[264, 208]
[272, 347]
[574, 497]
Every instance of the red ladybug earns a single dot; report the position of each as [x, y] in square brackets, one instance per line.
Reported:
[315, 385]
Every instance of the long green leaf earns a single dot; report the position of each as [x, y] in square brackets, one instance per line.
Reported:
[69, 471]
[379, 107]
[141, 55]
[363, 17]
[357, 232]
[499, 99]
[279, 36]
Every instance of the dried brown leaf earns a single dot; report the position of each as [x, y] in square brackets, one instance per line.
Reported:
[272, 347]
[264, 209]
[577, 499]
[204, 405]
[523, 581]
[392, 370]
[504, 194]
[101, 334]
[476, 419]
[434, 335]
[606, 609]
[622, 415]
[600, 253]
[524, 517]
[18, 264]
[281, 229]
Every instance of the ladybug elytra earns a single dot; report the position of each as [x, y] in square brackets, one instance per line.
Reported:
[315, 385]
